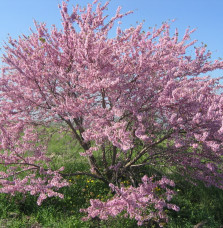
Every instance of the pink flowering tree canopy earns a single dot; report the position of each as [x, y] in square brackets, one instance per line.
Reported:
[136, 99]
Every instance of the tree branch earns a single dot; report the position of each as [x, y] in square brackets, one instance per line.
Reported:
[144, 150]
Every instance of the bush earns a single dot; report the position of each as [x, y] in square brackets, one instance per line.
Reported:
[132, 101]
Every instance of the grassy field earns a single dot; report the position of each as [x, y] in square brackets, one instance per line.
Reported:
[198, 204]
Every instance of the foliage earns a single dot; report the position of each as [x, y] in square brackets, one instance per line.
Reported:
[133, 100]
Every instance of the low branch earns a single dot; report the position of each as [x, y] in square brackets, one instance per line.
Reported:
[62, 174]
[19, 163]
[17, 173]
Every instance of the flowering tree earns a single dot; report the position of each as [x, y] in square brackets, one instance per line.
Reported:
[136, 99]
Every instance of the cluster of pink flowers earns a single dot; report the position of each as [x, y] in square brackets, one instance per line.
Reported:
[21, 155]
[144, 203]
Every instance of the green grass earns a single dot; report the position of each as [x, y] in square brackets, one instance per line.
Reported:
[197, 203]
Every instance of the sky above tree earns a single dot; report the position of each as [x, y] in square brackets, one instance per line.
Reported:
[16, 17]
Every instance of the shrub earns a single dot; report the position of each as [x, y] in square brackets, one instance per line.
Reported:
[132, 100]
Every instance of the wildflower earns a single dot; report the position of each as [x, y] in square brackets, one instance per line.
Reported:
[157, 189]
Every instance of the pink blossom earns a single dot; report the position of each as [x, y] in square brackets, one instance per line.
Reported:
[135, 201]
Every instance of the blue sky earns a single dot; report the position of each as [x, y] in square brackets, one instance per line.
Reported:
[16, 17]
